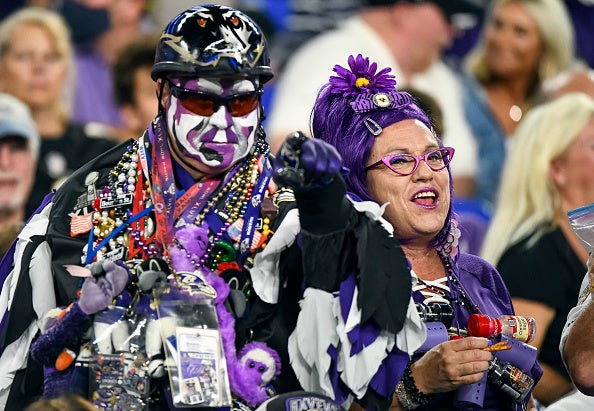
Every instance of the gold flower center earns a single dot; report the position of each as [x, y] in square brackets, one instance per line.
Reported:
[361, 81]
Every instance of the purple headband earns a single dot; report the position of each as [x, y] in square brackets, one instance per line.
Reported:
[378, 101]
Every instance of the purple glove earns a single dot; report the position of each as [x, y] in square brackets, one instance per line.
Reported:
[116, 275]
[97, 292]
[305, 163]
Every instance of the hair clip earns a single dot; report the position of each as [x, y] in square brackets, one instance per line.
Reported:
[370, 102]
[373, 127]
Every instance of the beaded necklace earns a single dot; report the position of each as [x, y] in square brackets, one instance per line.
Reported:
[129, 224]
[228, 205]
[122, 226]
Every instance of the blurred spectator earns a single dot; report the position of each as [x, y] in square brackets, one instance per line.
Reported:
[296, 21]
[524, 42]
[548, 172]
[19, 147]
[133, 86]
[407, 36]
[35, 64]
[162, 11]
[100, 31]
[575, 401]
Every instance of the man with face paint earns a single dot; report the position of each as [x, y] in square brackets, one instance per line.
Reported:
[193, 198]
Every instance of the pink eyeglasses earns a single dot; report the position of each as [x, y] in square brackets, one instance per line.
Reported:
[406, 164]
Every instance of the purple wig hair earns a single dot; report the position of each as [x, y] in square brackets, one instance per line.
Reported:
[334, 120]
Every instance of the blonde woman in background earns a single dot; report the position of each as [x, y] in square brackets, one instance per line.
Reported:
[548, 172]
[36, 67]
[523, 43]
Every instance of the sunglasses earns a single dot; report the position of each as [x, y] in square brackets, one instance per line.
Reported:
[406, 164]
[206, 104]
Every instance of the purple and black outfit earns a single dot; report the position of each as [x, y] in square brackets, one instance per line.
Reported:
[365, 361]
[487, 293]
[267, 279]
[345, 343]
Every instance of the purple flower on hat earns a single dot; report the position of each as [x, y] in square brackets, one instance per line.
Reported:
[361, 78]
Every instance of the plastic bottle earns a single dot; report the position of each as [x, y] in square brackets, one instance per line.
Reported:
[513, 326]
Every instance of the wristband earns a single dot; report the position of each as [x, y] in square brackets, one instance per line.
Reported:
[409, 391]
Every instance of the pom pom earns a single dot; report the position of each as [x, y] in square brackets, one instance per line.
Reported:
[361, 78]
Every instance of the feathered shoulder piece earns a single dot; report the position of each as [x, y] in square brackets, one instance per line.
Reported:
[370, 89]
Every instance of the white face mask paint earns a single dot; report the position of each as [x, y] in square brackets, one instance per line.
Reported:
[217, 141]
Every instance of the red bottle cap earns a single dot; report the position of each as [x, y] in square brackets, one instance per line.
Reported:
[480, 325]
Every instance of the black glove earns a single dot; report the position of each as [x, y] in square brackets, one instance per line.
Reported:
[305, 163]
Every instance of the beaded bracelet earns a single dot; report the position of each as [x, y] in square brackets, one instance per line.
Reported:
[408, 382]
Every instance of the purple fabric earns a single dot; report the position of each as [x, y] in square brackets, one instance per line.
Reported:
[521, 355]
[65, 334]
[389, 373]
[340, 391]
[436, 334]
[8, 261]
[364, 334]
[471, 396]
[391, 369]
[94, 100]
[56, 383]
[486, 289]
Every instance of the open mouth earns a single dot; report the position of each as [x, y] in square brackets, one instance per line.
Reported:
[425, 198]
[8, 184]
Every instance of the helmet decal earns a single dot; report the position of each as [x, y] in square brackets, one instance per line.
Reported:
[236, 38]
[213, 40]
[174, 42]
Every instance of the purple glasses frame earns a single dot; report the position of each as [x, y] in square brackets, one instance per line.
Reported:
[446, 155]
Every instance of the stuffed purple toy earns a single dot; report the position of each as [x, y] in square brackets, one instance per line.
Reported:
[65, 329]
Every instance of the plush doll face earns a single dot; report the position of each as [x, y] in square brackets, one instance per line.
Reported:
[260, 363]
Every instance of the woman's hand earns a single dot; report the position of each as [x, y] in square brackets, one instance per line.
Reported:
[451, 364]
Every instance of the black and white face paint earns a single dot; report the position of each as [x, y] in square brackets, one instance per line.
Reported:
[216, 140]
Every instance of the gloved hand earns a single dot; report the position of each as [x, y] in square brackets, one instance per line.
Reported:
[97, 292]
[305, 163]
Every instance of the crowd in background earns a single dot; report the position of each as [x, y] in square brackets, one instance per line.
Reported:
[499, 77]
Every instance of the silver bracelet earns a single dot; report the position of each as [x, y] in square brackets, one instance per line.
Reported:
[404, 397]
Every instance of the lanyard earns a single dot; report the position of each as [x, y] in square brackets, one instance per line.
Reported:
[253, 210]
